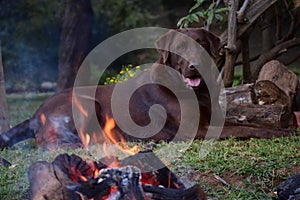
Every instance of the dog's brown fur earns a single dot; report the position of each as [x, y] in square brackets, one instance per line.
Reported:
[53, 125]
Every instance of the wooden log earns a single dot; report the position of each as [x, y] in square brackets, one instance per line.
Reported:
[284, 79]
[193, 193]
[269, 116]
[277, 73]
[238, 95]
[268, 93]
[262, 104]
[45, 184]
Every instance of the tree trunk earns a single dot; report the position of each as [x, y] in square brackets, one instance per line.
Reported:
[246, 59]
[231, 43]
[75, 36]
[4, 121]
[266, 30]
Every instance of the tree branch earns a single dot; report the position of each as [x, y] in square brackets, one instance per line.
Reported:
[241, 12]
[278, 24]
[254, 11]
[207, 27]
[254, 58]
[273, 54]
[294, 25]
[290, 61]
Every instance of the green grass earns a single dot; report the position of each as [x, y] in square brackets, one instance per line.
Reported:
[253, 168]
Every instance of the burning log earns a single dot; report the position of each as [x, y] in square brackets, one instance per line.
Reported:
[289, 189]
[70, 177]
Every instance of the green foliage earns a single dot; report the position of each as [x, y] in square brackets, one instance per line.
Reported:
[125, 14]
[126, 72]
[201, 12]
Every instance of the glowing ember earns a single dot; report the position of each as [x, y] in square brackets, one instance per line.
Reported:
[96, 173]
[94, 180]
[75, 174]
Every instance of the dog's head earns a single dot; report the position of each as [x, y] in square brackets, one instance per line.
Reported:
[185, 54]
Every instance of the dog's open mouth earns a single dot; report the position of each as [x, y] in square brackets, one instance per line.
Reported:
[193, 81]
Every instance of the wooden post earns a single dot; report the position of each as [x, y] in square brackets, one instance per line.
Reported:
[231, 43]
[246, 59]
[4, 121]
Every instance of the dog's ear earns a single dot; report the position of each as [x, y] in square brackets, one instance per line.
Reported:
[211, 42]
[163, 44]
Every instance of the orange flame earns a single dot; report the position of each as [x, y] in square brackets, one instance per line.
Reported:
[118, 140]
[85, 138]
[43, 118]
[79, 106]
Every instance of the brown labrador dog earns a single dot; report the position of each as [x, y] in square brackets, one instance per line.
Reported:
[55, 125]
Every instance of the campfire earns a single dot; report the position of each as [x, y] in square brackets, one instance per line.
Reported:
[70, 177]
[136, 177]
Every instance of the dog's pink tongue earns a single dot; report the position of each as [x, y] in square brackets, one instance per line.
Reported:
[193, 82]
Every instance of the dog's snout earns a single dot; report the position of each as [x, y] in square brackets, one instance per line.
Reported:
[192, 67]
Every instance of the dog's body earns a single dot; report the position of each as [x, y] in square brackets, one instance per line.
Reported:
[53, 123]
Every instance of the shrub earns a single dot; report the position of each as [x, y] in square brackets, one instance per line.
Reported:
[126, 72]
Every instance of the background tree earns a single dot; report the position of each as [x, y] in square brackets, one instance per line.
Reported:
[30, 31]
[4, 120]
[75, 40]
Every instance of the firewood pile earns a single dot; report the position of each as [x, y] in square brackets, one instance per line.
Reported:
[270, 102]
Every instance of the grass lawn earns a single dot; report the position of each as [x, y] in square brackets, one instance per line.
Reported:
[252, 168]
